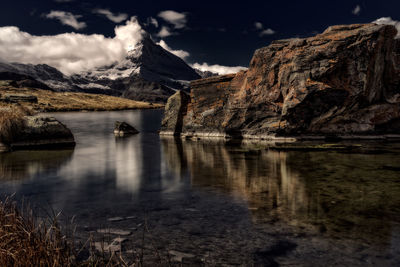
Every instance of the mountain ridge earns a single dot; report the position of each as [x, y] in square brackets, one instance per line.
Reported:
[148, 73]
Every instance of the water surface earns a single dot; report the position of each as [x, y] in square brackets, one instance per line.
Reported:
[219, 203]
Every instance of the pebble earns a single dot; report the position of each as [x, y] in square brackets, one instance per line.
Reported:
[116, 219]
[115, 245]
[178, 256]
[114, 231]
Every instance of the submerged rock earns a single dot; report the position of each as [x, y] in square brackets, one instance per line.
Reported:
[123, 129]
[344, 82]
[113, 231]
[114, 246]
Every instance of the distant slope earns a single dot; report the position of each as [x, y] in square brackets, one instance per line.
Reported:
[49, 101]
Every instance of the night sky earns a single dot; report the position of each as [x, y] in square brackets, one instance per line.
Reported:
[215, 32]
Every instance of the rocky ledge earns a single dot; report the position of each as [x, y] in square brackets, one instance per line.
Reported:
[344, 82]
[39, 132]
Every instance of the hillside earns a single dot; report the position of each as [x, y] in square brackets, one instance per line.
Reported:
[49, 101]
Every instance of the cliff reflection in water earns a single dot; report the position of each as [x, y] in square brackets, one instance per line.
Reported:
[345, 195]
[21, 165]
[261, 177]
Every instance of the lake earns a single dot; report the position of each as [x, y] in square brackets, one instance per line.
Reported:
[211, 202]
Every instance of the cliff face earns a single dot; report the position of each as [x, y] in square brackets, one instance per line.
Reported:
[345, 81]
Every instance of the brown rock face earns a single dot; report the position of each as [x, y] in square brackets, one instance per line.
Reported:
[175, 110]
[345, 81]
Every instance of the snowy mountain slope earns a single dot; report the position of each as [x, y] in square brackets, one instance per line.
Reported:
[148, 73]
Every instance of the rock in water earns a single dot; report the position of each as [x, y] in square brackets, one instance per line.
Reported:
[344, 82]
[42, 132]
[123, 129]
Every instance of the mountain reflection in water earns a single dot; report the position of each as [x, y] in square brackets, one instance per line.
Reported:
[227, 200]
[344, 195]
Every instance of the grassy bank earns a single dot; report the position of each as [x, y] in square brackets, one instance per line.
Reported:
[49, 101]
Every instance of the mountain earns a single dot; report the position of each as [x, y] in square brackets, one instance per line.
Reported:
[342, 83]
[42, 73]
[205, 74]
[148, 73]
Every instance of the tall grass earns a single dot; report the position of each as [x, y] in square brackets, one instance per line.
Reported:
[11, 121]
[26, 242]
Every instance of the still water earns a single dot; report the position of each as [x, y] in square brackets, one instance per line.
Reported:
[214, 203]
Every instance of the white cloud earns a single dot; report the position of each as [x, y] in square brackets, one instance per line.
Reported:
[165, 32]
[221, 70]
[67, 18]
[356, 10]
[177, 19]
[180, 53]
[263, 32]
[69, 52]
[117, 18]
[389, 21]
[258, 25]
[151, 20]
[266, 32]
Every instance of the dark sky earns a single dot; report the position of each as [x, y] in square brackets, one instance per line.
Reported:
[216, 32]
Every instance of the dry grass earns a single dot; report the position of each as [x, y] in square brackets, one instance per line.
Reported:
[68, 101]
[24, 242]
[11, 121]
[27, 241]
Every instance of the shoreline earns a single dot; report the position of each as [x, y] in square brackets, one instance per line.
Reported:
[98, 110]
[283, 139]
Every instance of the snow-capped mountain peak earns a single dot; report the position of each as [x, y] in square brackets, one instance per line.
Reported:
[148, 72]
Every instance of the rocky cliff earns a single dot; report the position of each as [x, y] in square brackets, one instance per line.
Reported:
[343, 82]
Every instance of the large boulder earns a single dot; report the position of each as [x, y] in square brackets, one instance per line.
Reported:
[42, 132]
[343, 82]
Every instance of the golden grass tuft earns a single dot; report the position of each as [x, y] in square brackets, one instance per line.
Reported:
[27, 241]
[24, 242]
[11, 121]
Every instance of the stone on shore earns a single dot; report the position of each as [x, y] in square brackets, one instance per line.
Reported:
[11, 98]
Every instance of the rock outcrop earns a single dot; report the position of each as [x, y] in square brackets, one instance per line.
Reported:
[344, 82]
[175, 110]
[17, 98]
[40, 132]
